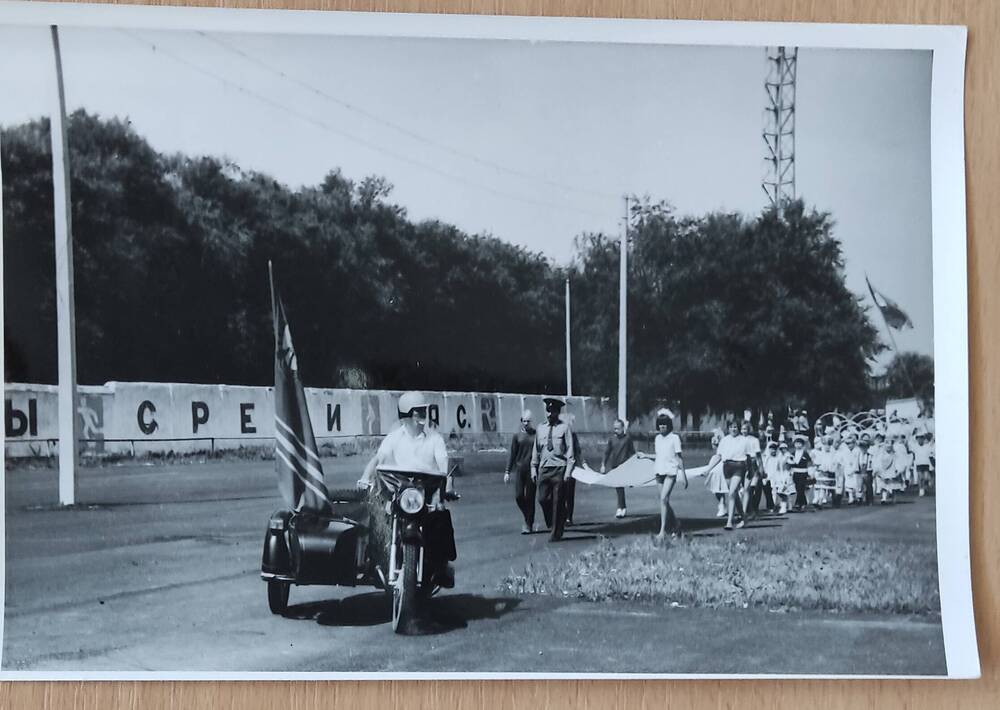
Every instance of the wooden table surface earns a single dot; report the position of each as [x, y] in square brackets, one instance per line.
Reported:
[983, 174]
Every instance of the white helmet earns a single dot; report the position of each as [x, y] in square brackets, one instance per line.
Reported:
[409, 401]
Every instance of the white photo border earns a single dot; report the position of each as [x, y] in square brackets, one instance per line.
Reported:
[948, 203]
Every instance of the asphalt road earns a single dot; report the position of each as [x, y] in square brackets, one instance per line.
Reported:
[160, 572]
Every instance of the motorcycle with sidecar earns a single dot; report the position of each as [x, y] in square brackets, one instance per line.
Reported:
[396, 536]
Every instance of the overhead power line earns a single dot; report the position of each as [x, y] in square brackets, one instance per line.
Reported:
[402, 129]
[323, 125]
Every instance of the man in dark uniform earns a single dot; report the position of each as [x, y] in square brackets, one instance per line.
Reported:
[552, 463]
[520, 462]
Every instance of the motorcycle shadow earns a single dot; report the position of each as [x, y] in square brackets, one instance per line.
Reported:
[439, 614]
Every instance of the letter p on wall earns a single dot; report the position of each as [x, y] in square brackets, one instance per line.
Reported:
[199, 415]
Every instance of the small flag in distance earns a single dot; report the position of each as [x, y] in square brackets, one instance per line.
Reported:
[894, 316]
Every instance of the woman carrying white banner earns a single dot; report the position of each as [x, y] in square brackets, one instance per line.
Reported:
[668, 463]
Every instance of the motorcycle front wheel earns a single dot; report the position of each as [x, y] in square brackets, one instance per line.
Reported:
[404, 592]
[277, 595]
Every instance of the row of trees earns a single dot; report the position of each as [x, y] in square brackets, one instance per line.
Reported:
[171, 260]
[171, 254]
[728, 312]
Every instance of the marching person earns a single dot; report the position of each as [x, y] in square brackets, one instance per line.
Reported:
[715, 482]
[551, 463]
[923, 461]
[776, 470]
[902, 459]
[866, 468]
[519, 462]
[800, 464]
[847, 459]
[887, 483]
[801, 423]
[818, 432]
[733, 454]
[668, 463]
[824, 460]
[751, 488]
[619, 450]
[569, 485]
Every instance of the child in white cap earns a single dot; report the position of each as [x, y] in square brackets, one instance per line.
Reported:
[825, 460]
[776, 470]
[902, 459]
[849, 467]
[886, 480]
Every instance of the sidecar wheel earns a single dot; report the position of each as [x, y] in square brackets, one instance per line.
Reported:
[404, 593]
[277, 595]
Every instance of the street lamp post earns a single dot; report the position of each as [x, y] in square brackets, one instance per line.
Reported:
[623, 318]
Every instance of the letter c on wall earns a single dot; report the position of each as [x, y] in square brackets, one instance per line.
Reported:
[144, 415]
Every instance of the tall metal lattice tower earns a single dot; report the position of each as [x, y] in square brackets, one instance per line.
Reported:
[779, 125]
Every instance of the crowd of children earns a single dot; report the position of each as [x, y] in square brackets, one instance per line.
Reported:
[840, 463]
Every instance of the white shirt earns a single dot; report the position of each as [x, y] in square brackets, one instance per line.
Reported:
[668, 451]
[922, 454]
[900, 457]
[848, 459]
[733, 448]
[826, 461]
[773, 465]
[753, 444]
[424, 452]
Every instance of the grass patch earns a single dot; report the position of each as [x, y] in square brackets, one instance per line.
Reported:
[829, 574]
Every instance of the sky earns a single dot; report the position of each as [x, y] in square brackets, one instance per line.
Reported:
[532, 142]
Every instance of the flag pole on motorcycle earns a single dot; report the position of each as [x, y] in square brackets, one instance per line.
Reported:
[296, 458]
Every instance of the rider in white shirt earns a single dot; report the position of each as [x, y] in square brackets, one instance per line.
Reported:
[415, 445]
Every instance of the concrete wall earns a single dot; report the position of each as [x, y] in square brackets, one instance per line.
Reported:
[159, 417]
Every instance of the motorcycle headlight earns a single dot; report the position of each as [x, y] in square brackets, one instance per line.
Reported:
[411, 500]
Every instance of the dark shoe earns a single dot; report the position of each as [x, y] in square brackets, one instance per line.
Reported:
[452, 495]
[446, 577]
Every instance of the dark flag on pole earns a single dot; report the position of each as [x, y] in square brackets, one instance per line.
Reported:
[296, 458]
[893, 314]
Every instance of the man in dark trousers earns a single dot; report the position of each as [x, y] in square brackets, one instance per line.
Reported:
[569, 485]
[866, 464]
[619, 450]
[520, 463]
[551, 464]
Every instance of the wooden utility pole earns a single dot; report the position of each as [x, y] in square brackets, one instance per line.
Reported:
[65, 301]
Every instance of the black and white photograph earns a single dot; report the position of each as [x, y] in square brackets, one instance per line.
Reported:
[343, 345]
